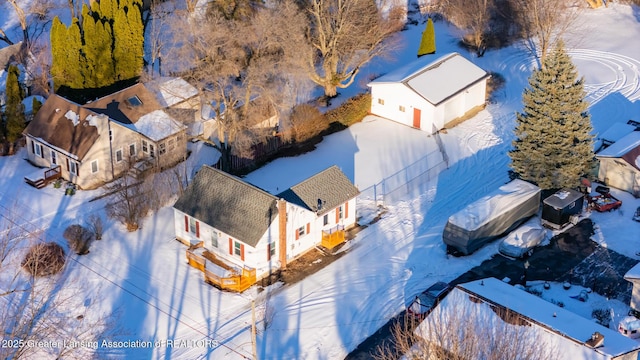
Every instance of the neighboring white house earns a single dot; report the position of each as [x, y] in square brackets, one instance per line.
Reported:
[500, 307]
[633, 276]
[430, 92]
[245, 230]
[620, 164]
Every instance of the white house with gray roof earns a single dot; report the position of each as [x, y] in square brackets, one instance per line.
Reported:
[241, 226]
[430, 92]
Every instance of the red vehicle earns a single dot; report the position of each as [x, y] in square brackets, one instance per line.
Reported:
[604, 202]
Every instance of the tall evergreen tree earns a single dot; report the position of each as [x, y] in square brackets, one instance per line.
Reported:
[99, 70]
[554, 145]
[67, 60]
[128, 34]
[428, 41]
[14, 118]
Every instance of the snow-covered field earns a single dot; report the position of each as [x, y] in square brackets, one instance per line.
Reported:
[145, 282]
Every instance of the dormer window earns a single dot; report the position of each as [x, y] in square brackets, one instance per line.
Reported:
[134, 101]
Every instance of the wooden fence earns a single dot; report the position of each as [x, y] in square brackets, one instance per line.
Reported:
[262, 152]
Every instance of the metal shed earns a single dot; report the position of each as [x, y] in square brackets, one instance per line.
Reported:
[558, 208]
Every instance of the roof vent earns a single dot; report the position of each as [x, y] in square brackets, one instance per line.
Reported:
[596, 340]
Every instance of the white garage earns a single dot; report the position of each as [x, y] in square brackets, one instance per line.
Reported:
[429, 92]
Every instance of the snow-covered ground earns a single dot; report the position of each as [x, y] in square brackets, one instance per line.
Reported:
[154, 295]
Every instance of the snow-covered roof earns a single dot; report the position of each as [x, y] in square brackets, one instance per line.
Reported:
[557, 327]
[616, 131]
[495, 203]
[170, 91]
[622, 146]
[157, 125]
[633, 273]
[436, 79]
[562, 198]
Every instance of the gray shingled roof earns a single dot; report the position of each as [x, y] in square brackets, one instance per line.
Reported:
[330, 186]
[229, 205]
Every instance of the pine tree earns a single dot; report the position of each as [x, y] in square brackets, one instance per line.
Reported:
[554, 145]
[14, 117]
[428, 41]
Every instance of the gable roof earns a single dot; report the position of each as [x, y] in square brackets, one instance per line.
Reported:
[329, 187]
[229, 205]
[571, 330]
[627, 148]
[119, 107]
[170, 91]
[65, 125]
[436, 79]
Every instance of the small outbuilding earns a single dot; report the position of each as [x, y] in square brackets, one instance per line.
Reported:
[429, 92]
[620, 164]
[560, 208]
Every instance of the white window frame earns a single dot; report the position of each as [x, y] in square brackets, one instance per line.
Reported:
[302, 230]
[145, 146]
[214, 239]
[325, 220]
[54, 158]
[37, 147]
[121, 157]
[132, 146]
[97, 166]
[380, 101]
[272, 249]
[402, 108]
[193, 228]
[341, 212]
[237, 248]
[152, 152]
[73, 167]
[162, 148]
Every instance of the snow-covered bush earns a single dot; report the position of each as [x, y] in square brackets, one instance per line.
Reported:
[79, 238]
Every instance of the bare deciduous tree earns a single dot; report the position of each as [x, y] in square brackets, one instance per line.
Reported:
[32, 17]
[471, 331]
[344, 35]
[543, 22]
[131, 199]
[242, 67]
[473, 17]
[40, 310]
[94, 223]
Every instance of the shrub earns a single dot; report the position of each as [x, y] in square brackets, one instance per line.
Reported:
[602, 316]
[306, 122]
[94, 223]
[44, 259]
[79, 238]
[351, 111]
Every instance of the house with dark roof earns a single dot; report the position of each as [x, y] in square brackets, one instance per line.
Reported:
[430, 92]
[238, 233]
[619, 164]
[94, 143]
[523, 326]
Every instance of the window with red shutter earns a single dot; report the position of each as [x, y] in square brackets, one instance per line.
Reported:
[198, 229]
[67, 164]
[346, 209]
[230, 246]
[337, 215]
[268, 252]
[186, 223]
[242, 252]
[308, 228]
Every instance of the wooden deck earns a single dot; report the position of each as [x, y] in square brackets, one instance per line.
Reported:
[333, 237]
[219, 273]
[43, 177]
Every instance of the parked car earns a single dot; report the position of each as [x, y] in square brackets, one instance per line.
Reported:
[521, 242]
[426, 300]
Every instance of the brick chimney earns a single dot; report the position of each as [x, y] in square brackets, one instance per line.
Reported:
[282, 235]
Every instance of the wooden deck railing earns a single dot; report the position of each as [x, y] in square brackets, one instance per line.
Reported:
[333, 237]
[234, 280]
[39, 181]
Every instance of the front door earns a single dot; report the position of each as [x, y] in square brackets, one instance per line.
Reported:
[416, 118]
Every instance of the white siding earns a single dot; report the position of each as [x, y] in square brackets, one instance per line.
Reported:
[617, 173]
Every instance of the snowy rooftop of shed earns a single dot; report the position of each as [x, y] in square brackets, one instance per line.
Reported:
[436, 79]
[617, 131]
[563, 198]
[170, 91]
[622, 146]
[496, 203]
[157, 125]
[574, 330]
